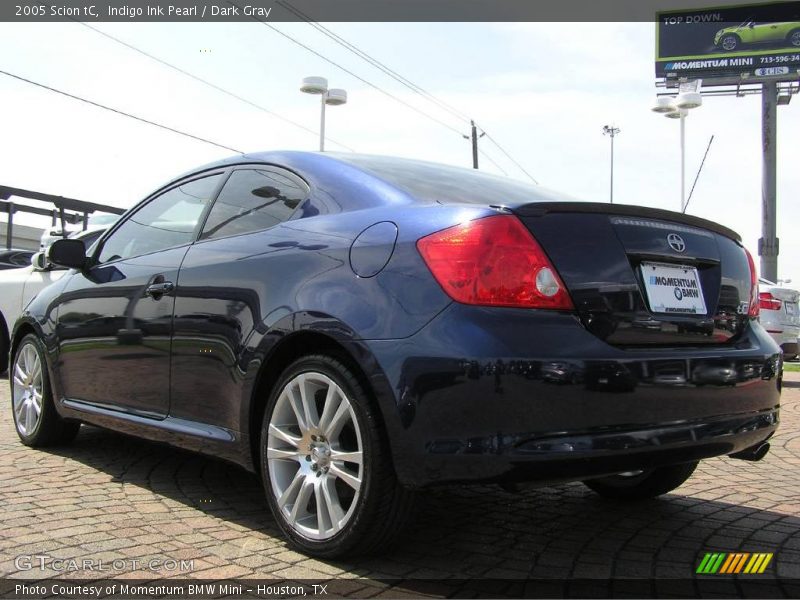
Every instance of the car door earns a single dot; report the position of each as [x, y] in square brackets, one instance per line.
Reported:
[220, 287]
[766, 32]
[114, 319]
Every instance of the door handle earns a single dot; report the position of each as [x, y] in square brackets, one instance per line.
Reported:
[156, 290]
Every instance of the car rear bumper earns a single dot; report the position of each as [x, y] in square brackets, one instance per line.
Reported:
[513, 395]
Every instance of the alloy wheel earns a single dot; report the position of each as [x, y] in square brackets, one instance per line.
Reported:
[795, 39]
[27, 389]
[729, 43]
[315, 456]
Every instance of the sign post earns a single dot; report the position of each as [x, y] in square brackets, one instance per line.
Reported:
[768, 244]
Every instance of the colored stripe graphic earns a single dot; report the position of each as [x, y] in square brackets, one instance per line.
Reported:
[733, 563]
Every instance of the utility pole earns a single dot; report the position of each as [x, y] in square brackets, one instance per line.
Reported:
[768, 244]
[474, 138]
[611, 131]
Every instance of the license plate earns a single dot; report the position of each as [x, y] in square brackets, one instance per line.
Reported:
[791, 308]
[673, 289]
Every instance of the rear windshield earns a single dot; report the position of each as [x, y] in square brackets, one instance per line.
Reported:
[433, 182]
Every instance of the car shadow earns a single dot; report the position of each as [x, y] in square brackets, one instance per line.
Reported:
[467, 532]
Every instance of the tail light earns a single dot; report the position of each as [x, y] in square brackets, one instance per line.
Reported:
[494, 261]
[768, 302]
[753, 308]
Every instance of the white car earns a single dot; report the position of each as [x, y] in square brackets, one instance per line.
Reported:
[779, 315]
[19, 286]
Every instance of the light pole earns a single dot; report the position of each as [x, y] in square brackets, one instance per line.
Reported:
[612, 132]
[678, 107]
[334, 97]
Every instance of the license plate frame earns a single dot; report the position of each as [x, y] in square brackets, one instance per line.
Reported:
[673, 289]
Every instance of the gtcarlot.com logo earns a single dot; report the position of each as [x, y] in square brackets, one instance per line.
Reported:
[43, 562]
[734, 563]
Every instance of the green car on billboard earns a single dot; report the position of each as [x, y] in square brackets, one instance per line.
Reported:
[750, 32]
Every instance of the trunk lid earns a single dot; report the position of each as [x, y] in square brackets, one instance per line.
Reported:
[646, 277]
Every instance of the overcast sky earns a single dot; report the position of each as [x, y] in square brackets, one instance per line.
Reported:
[543, 91]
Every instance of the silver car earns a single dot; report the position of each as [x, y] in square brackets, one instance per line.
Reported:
[779, 315]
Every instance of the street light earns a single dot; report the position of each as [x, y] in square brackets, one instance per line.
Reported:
[612, 131]
[334, 97]
[678, 107]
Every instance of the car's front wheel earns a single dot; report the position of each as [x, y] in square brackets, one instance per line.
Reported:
[35, 417]
[325, 462]
[794, 38]
[640, 485]
[729, 41]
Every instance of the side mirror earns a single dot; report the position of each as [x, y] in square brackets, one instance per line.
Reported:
[39, 261]
[68, 253]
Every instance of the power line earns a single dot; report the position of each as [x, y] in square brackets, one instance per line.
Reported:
[351, 47]
[210, 84]
[351, 73]
[491, 160]
[120, 112]
[508, 156]
[375, 62]
[387, 70]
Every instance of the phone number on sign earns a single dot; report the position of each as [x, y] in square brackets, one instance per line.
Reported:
[777, 60]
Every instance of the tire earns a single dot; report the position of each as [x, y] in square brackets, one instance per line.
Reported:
[644, 485]
[794, 38]
[36, 420]
[730, 42]
[325, 506]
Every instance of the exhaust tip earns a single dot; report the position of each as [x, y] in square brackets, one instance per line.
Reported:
[753, 453]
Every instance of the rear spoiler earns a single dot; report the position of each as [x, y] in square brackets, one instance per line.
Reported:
[539, 209]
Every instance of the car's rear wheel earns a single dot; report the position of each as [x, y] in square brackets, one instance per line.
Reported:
[729, 41]
[640, 485]
[35, 417]
[325, 462]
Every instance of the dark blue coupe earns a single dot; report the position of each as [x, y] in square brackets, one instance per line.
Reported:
[357, 328]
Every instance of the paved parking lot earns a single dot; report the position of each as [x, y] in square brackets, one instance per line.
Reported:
[115, 499]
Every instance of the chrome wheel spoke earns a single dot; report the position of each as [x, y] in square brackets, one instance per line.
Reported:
[19, 408]
[297, 408]
[290, 494]
[277, 454]
[36, 402]
[351, 457]
[20, 373]
[338, 420]
[332, 401]
[332, 503]
[350, 479]
[300, 506]
[308, 404]
[324, 522]
[29, 416]
[284, 435]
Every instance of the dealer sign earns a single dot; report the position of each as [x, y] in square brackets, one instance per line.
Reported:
[760, 40]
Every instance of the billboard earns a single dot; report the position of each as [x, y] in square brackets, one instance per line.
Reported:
[760, 40]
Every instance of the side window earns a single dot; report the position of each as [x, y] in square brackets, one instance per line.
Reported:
[253, 200]
[166, 221]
